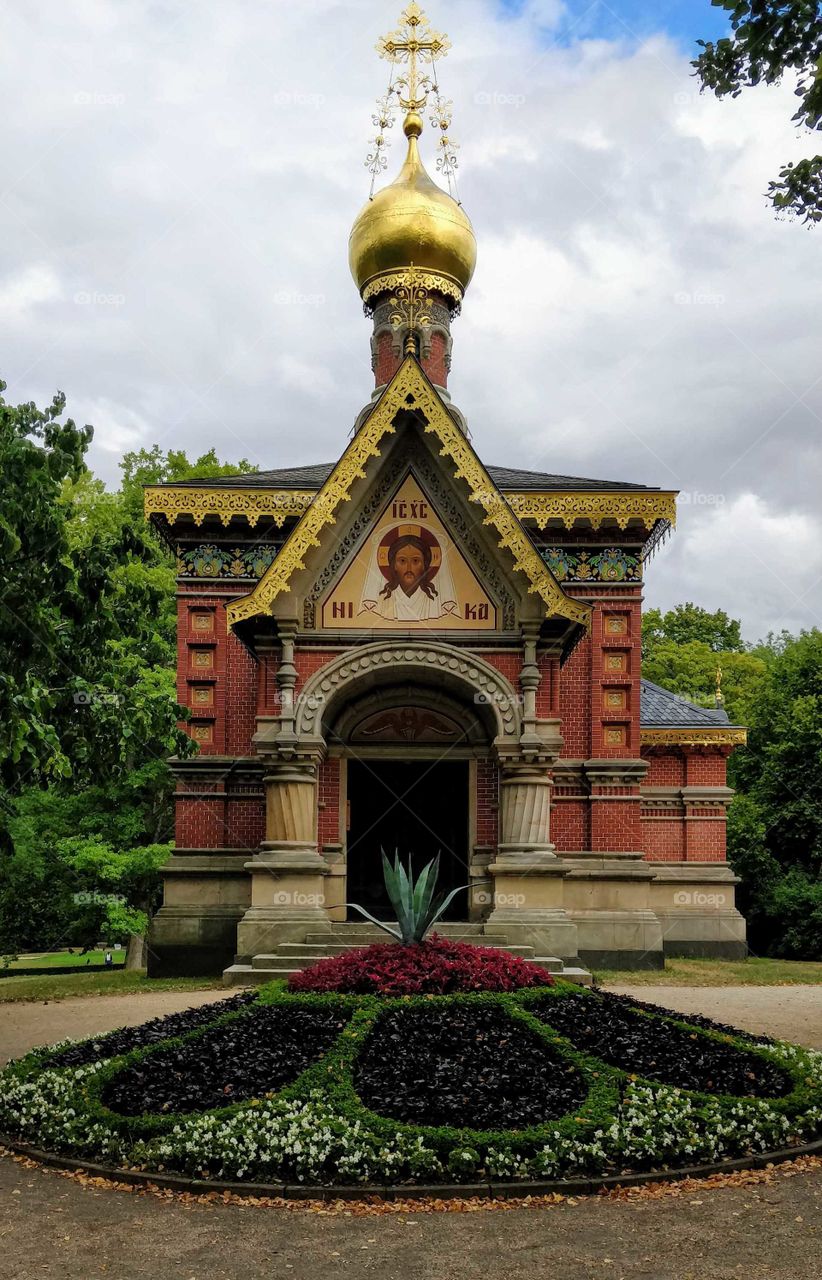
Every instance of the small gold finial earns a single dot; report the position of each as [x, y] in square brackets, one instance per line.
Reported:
[719, 697]
[412, 125]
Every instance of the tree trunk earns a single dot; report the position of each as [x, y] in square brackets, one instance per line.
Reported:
[136, 952]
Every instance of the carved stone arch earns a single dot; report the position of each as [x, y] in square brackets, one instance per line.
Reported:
[494, 697]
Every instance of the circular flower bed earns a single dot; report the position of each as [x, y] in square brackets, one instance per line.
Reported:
[284, 1087]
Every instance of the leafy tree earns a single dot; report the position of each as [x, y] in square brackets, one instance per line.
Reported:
[89, 716]
[770, 38]
[775, 827]
[688, 622]
[683, 650]
[40, 596]
[152, 466]
[691, 670]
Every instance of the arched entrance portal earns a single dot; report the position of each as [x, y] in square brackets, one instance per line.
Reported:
[408, 756]
[411, 727]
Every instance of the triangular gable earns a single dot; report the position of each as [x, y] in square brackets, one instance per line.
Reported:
[409, 389]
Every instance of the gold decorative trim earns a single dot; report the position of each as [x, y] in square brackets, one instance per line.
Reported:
[620, 505]
[184, 500]
[706, 737]
[409, 389]
[391, 281]
[173, 501]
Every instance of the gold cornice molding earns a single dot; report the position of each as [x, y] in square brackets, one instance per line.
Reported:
[409, 390]
[173, 501]
[390, 281]
[621, 505]
[707, 737]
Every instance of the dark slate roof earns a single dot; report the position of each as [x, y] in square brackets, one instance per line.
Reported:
[313, 476]
[661, 709]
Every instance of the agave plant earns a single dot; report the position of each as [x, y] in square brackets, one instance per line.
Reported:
[418, 910]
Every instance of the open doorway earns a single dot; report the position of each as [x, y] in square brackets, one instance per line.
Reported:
[419, 807]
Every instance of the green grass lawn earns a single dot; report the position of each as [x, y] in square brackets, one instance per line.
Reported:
[62, 959]
[60, 985]
[753, 972]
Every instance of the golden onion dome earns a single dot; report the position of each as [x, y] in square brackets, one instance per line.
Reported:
[412, 222]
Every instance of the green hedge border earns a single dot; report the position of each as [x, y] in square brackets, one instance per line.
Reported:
[332, 1075]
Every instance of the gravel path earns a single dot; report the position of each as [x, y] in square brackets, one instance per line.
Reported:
[788, 1013]
[27, 1024]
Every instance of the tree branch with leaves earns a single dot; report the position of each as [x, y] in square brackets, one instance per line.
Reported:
[772, 38]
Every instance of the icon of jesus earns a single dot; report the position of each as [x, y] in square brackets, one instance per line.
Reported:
[400, 585]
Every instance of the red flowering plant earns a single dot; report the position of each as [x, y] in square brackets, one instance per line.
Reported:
[437, 966]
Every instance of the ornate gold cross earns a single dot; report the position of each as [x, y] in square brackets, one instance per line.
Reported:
[413, 40]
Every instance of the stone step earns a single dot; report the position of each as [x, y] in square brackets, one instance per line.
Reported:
[264, 968]
[340, 948]
[245, 975]
[364, 938]
[289, 960]
[446, 929]
[580, 976]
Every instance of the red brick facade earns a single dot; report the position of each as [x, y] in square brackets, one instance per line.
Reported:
[661, 807]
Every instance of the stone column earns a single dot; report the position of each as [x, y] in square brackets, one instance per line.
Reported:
[528, 876]
[525, 811]
[287, 875]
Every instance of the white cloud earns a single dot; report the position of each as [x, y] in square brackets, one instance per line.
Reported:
[757, 563]
[117, 428]
[637, 312]
[26, 290]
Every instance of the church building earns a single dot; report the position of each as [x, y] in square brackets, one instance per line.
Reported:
[411, 649]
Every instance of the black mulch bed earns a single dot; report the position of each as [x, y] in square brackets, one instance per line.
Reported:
[127, 1038]
[608, 1028]
[695, 1019]
[258, 1053]
[468, 1067]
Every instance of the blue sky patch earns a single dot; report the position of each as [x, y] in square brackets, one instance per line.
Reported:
[634, 20]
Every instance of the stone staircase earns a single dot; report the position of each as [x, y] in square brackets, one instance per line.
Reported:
[291, 957]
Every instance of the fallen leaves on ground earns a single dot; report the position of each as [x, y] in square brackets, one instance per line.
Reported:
[374, 1206]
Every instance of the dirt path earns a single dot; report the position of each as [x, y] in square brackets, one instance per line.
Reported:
[53, 1226]
[789, 1013]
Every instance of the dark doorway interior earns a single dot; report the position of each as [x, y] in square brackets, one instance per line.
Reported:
[417, 807]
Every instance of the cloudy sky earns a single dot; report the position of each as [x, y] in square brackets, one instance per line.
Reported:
[177, 185]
